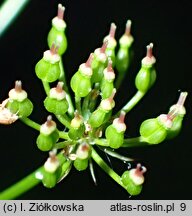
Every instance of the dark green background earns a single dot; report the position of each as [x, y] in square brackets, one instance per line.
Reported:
[167, 26]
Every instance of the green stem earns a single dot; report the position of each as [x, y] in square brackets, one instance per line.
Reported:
[46, 87]
[61, 145]
[131, 103]
[63, 120]
[68, 97]
[116, 155]
[30, 123]
[101, 142]
[78, 104]
[134, 142]
[134, 100]
[85, 107]
[9, 11]
[91, 168]
[63, 135]
[106, 168]
[21, 187]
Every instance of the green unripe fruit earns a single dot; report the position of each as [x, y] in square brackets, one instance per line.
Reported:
[97, 118]
[23, 109]
[46, 142]
[57, 32]
[133, 179]
[107, 85]
[47, 71]
[147, 74]
[99, 63]
[152, 131]
[54, 106]
[177, 112]
[80, 164]
[48, 136]
[122, 60]
[110, 52]
[115, 132]
[49, 179]
[18, 101]
[97, 68]
[111, 45]
[106, 88]
[59, 38]
[80, 84]
[176, 127]
[124, 54]
[76, 133]
[81, 80]
[103, 112]
[114, 138]
[133, 189]
[56, 101]
[125, 178]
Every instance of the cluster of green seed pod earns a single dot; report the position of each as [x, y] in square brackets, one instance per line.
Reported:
[133, 180]
[18, 101]
[92, 120]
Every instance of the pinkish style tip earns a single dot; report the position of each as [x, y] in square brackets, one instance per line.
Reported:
[128, 28]
[59, 87]
[182, 98]
[112, 30]
[89, 60]
[104, 46]
[122, 117]
[60, 12]
[54, 49]
[18, 85]
[150, 50]
[140, 169]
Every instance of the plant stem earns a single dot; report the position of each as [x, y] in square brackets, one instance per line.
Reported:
[85, 107]
[68, 97]
[106, 168]
[63, 120]
[30, 123]
[134, 142]
[78, 104]
[92, 171]
[21, 187]
[9, 11]
[63, 135]
[46, 87]
[134, 100]
[61, 145]
[116, 155]
[131, 103]
[101, 142]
